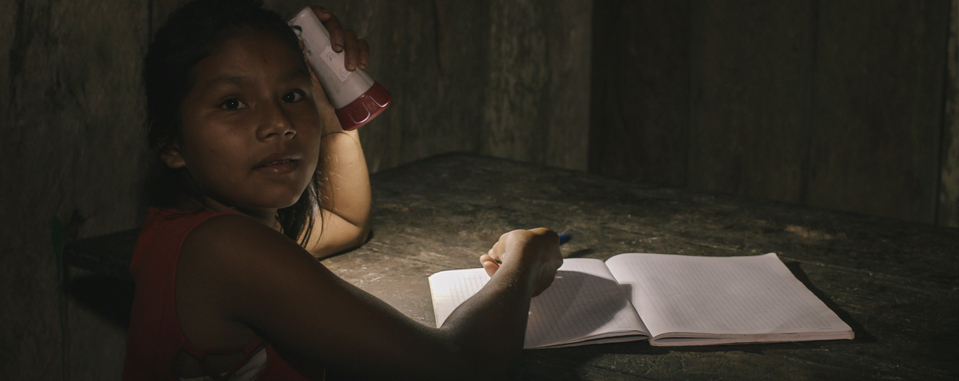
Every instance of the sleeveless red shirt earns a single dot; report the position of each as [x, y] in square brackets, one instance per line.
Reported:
[155, 338]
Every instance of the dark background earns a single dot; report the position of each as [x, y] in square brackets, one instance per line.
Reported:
[839, 104]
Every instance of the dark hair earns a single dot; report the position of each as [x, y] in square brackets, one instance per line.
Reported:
[189, 35]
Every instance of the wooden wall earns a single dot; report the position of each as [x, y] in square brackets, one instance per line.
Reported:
[838, 104]
[948, 210]
[506, 78]
[72, 122]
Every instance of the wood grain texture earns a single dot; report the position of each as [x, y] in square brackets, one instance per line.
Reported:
[640, 91]
[73, 146]
[878, 107]
[537, 98]
[428, 55]
[443, 212]
[830, 104]
[569, 27]
[948, 210]
[751, 67]
[432, 58]
[518, 82]
[508, 79]
[852, 262]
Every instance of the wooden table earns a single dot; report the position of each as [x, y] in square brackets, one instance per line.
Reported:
[895, 283]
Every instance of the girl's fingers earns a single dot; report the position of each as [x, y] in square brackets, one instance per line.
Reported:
[357, 51]
[364, 54]
[352, 48]
[489, 264]
[321, 13]
[336, 33]
[497, 249]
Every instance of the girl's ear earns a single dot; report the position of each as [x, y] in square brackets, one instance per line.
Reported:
[169, 153]
[172, 156]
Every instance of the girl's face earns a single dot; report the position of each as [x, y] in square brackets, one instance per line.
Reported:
[251, 131]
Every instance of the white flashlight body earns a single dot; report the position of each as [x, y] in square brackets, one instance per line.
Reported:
[355, 96]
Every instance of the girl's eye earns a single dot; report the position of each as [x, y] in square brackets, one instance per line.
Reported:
[232, 104]
[293, 96]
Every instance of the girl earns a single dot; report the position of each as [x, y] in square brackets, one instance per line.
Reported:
[226, 286]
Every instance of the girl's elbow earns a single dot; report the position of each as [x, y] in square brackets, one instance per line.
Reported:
[344, 240]
[360, 237]
[354, 238]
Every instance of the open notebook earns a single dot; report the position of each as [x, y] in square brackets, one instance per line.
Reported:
[672, 300]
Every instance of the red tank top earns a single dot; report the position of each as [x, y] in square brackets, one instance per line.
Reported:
[155, 339]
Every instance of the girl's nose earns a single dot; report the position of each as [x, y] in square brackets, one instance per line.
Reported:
[275, 124]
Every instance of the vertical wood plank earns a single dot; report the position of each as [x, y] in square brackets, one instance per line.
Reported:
[432, 111]
[948, 211]
[537, 99]
[431, 56]
[518, 80]
[9, 23]
[435, 59]
[73, 145]
[750, 95]
[99, 57]
[878, 107]
[569, 27]
[640, 95]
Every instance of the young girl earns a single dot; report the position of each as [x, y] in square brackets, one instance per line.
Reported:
[226, 286]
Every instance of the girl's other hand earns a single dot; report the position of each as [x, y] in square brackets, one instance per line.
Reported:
[357, 51]
[535, 250]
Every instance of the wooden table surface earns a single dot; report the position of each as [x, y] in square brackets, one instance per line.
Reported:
[895, 283]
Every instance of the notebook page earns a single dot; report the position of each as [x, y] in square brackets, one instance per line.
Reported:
[451, 288]
[754, 295]
[584, 302]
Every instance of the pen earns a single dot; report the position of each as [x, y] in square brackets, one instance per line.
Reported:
[563, 238]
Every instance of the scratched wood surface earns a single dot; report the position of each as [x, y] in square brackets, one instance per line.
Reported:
[894, 283]
[73, 149]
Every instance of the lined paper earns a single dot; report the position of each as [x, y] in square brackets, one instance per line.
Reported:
[451, 288]
[682, 300]
[711, 297]
[584, 303]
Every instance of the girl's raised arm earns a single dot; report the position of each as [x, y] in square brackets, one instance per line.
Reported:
[342, 222]
[253, 275]
[343, 219]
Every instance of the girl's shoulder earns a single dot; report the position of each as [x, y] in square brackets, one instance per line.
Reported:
[210, 232]
[237, 254]
[233, 266]
[234, 236]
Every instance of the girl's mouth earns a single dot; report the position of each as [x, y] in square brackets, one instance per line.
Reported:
[278, 167]
[274, 162]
